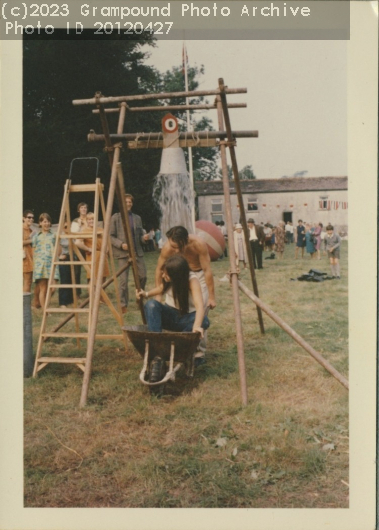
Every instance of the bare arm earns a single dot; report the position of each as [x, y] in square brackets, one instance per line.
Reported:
[197, 298]
[205, 262]
[80, 244]
[156, 291]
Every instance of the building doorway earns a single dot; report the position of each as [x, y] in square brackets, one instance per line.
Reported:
[287, 217]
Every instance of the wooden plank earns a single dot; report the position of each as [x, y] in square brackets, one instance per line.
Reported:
[81, 335]
[84, 187]
[62, 360]
[162, 95]
[158, 144]
[84, 263]
[69, 285]
[66, 335]
[78, 235]
[166, 108]
[154, 136]
[67, 310]
[103, 336]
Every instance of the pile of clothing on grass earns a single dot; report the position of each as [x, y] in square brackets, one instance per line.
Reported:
[313, 276]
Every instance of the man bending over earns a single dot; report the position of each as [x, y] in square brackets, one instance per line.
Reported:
[195, 251]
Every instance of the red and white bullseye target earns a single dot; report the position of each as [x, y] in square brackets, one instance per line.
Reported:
[169, 123]
[212, 236]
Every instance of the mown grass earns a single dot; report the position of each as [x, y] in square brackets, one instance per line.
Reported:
[197, 446]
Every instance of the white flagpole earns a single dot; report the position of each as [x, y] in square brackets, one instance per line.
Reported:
[189, 129]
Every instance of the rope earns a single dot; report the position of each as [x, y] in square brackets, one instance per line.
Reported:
[137, 138]
[148, 140]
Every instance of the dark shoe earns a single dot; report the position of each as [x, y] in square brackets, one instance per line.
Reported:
[199, 361]
[156, 369]
[124, 310]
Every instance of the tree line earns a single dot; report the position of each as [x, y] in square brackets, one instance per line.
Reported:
[55, 132]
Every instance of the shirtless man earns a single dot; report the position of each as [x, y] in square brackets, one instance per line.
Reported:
[195, 251]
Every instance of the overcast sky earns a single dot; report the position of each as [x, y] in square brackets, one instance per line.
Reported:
[297, 100]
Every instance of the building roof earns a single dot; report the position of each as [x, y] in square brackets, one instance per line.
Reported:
[283, 185]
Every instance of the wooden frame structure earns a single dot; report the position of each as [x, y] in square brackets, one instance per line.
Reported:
[223, 138]
[94, 279]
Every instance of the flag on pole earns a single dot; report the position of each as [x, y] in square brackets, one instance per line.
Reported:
[184, 58]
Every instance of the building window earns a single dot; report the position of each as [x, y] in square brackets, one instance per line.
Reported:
[252, 205]
[217, 217]
[216, 206]
[324, 204]
[217, 210]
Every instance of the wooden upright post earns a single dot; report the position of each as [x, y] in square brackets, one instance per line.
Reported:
[114, 187]
[233, 266]
[224, 106]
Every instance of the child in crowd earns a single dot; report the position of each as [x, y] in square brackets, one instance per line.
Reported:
[332, 243]
[240, 246]
[27, 232]
[43, 244]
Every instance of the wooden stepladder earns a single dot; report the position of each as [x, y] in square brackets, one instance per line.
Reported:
[80, 316]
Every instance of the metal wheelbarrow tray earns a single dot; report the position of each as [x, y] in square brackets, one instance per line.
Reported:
[177, 348]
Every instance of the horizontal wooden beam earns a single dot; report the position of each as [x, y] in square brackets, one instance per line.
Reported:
[158, 144]
[84, 187]
[101, 100]
[166, 108]
[151, 137]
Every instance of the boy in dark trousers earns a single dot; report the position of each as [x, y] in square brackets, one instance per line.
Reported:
[332, 243]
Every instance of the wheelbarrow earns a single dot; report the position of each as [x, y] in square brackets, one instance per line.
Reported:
[175, 348]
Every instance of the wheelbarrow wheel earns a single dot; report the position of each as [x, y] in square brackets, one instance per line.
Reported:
[157, 373]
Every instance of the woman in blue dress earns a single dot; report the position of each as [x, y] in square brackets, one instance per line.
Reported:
[43, 244]
[309, 244]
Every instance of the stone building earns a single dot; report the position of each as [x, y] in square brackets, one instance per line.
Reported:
[312, 199]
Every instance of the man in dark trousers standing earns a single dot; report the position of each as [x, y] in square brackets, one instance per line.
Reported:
[257, 241]
[120, 249]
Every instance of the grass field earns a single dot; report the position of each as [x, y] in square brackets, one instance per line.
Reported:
[197, 446]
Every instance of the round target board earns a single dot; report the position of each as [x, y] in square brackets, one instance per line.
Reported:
[169, 124]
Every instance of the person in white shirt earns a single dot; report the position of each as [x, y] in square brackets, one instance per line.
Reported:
[257, 241]
[183, 309]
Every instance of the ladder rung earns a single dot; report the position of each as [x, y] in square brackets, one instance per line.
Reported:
[66, 335]
[74, 360]
[68, 285]
[85, 187]
[66, 310]
[102, 336]
[72, 262]
[81, 336]
[78, 235]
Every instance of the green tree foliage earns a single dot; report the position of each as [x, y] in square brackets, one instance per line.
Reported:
[246, 173]
[55, 131]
